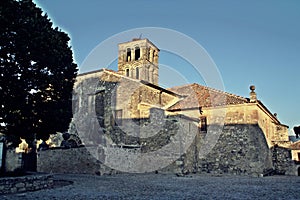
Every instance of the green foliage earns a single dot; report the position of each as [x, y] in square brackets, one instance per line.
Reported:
[37, 73]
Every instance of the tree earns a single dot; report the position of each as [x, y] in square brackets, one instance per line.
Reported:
[37, 73]
[297, 131]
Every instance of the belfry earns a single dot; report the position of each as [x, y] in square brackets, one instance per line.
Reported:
[139, 59]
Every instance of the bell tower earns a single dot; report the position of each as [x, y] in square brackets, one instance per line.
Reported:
[139, 59]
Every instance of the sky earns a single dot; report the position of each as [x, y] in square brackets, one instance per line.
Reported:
[253, 42]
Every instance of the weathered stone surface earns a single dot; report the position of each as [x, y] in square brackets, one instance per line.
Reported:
[139, 59]
[240, 150]
[73, 160]
[25, 183]
[13, 160]
[283, 163]
[20, 185]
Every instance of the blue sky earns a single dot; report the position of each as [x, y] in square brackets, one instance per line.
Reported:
[251, 42]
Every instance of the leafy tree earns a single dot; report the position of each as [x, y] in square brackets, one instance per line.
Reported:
[37, 73]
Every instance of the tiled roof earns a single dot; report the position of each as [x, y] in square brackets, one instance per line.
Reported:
[295, 145]
[202, 96]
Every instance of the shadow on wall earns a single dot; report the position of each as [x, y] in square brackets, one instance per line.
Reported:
[241, 149]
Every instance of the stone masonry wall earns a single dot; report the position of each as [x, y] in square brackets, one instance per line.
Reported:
[241, 150]
[283, 162]
[25, 183]
[251, 113]
[75, 160]
[175, 131]
[13, 160]
[98, 99]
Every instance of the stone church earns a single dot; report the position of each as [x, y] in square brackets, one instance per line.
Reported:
[218, 132]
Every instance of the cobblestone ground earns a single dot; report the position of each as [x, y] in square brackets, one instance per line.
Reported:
[162, 186]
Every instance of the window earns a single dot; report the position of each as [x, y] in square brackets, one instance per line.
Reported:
[152, 76]
[127, 72]
[99, 107]
[159, 98]
[137, 53]
[149, 54]
[91, 103]
[137, 73]
[118, 117]
[203, 124]
[128, 57]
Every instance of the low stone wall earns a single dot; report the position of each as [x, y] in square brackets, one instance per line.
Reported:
[283, 163]
[73, 160]
[126, 152]
[25, 183]
[240, 149]
[13, 160]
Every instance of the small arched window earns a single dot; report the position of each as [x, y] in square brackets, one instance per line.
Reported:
[137, 73]
[148, 53]
[203, 125]
[127, 72]
[137, 53]
[128, 55]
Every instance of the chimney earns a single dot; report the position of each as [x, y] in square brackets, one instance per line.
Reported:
[252, 94]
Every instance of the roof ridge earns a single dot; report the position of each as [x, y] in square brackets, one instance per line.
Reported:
[180, 86]
[120, 75]
[220, 91]
[148, 84]
[90, 72]
[235, 95]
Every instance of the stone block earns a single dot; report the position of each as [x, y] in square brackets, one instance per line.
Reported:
[20, 185]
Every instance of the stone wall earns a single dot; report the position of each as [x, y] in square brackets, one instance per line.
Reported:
[241, 149]
[13, 160]
[74, 160]
[251, 113]
[109, 147]
[283, 162]
[146, 60]
[25, 183]
[97, 100]
[133, 97]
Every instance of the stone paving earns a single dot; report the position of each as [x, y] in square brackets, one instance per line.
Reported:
[166, 186]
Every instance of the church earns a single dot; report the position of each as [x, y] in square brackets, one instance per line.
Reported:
[138, 72]
[208, 130]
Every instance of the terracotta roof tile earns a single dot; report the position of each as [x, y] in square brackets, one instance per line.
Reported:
[295, 145]
[202, 96]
